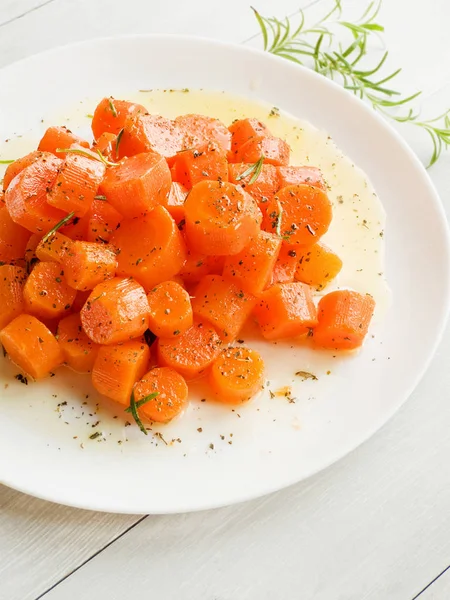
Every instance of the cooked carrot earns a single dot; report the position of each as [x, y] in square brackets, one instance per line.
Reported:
[12, 280]
[263, 188]
[151, 133]
[76, 228]
[26, 196]
[275, 151]
[198, 265]
[53, 247]
[110, 115]
[243, 130]
[223, 304]
[171, 398]
[107, 143]
[286, 265]
[60, 137]
[30, 251]
[31, 346]
[47, 294]
[286, 310]
[190, 353]
[150, 249]
[80, 300]
[19, 165]
[104, 219]
[295, 175]
[221, 218]
[300, 214]
[78, 350]
[252, 268]
[170, 309]
[175, 201]
[86, 264]
[118, 367]
[13, 238]
[116, 311]
[199, 164]
[344, 319]
[199, 130]
[138, 184]
[236, 375]
[317, 266]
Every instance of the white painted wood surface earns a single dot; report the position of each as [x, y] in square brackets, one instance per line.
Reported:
[376, 526]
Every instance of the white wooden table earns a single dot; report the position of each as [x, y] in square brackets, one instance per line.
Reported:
[376, 526]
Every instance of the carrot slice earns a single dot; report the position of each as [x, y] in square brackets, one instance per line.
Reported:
[236, 375]
[47, 294]
[26, 196]
[30, 251]
[199, 130]
[317, 266]
[19, 165]
[221, 218]
[198, 265]
[199, 164]
[110, 115]
[107, 145]
[252, 268]
[138, 184]
[286, 310]
[243, 130]
[275, 151]
[104, 219]
[263, 188]
[175, 201]
[150, 249]
[344, 319]
[31, 346]
[60, 137]
[171, 390]
[76, 228]
[170, 309]
[86, 264]
[295, 175]
[190, 353]
[286, 265]
[300, 214]
[13, 238]
[117, 368]
[12, 280]
[223, 304]
[151, 133]
[78, 350]
[116, 311]
[53, 248]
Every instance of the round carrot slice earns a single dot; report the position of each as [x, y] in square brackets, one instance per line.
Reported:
[236, 375]
[170, 309]
[171, 394]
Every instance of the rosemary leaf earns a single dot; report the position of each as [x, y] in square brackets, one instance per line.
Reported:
[254, 170]
[61, 223]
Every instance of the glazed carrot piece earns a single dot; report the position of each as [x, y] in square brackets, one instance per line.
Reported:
[295, 175]
[199, 130]
[344, 319]
[243, 130]
[13, 238]
[252, 268]
[275, 151]
[175, 201]
[30, 251]
[317, 266]
[198, 265]
[47, 294]
[107, 144]
[207, 162]
[170, 309]
[86, 264]
[236, 375]
[116, 311]
[53, 247]
[221, 218]
[76, 228]
[110, 115]
[60, 137]
[12, 280]
[78, 350]
[31, 346]
[286, 310]
[223, 304]
[138, 184]
[171, 390]
[300, 214]
[150, 249]
[26, 196]
[151, 133]
[190, 353]
[118, 367]
[263, 188]
[286, 265]
[19, 165]
[104, 219]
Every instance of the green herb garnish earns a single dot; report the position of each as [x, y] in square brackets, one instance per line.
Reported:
[97, 155]
[306, 375]
[7, 162]
[112, 107]
[118, 140]
[133, 408]
[255, 168]
[54, 229]
[143, 401]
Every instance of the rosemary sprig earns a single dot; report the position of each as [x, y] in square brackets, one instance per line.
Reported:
[133, 408]
[118, 140]
[7, 162]
[112, 107]
[97, 155]
[255, 168]
[61, 223]
[317, 46]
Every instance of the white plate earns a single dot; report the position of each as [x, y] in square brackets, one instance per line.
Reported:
[284, 443]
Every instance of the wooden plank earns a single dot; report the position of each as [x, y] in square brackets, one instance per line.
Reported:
[15, 9]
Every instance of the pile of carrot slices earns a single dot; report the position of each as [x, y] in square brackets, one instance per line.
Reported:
[140, 257]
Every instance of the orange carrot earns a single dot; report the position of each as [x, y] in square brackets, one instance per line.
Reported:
[47, 294]
[60, 137]
[286, 265]
[31, 346]
[150, 249]
[118, 367]
[236, 375]
[110, 115]
[286, 310]
[80, 300]
[13, 238]
[263, 188]
[295, 175]
[116, 311]
[138, 184]
[76, 228]
[190, 353]
[170, 309]
[171, 398]
[300, 214]
[274, 150]
[104, 219]
[175, 201]
[220, 217]
[151, 133]
[198, 265]
[317, 266]
[223, 304]
[243, 130]
[19, 165]
[199, 130]
[78, 350]
[86, 264]
[194, 165]
[344, 319]
[107, 144]
[30, 251]
[53, 247]
[12, 280]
